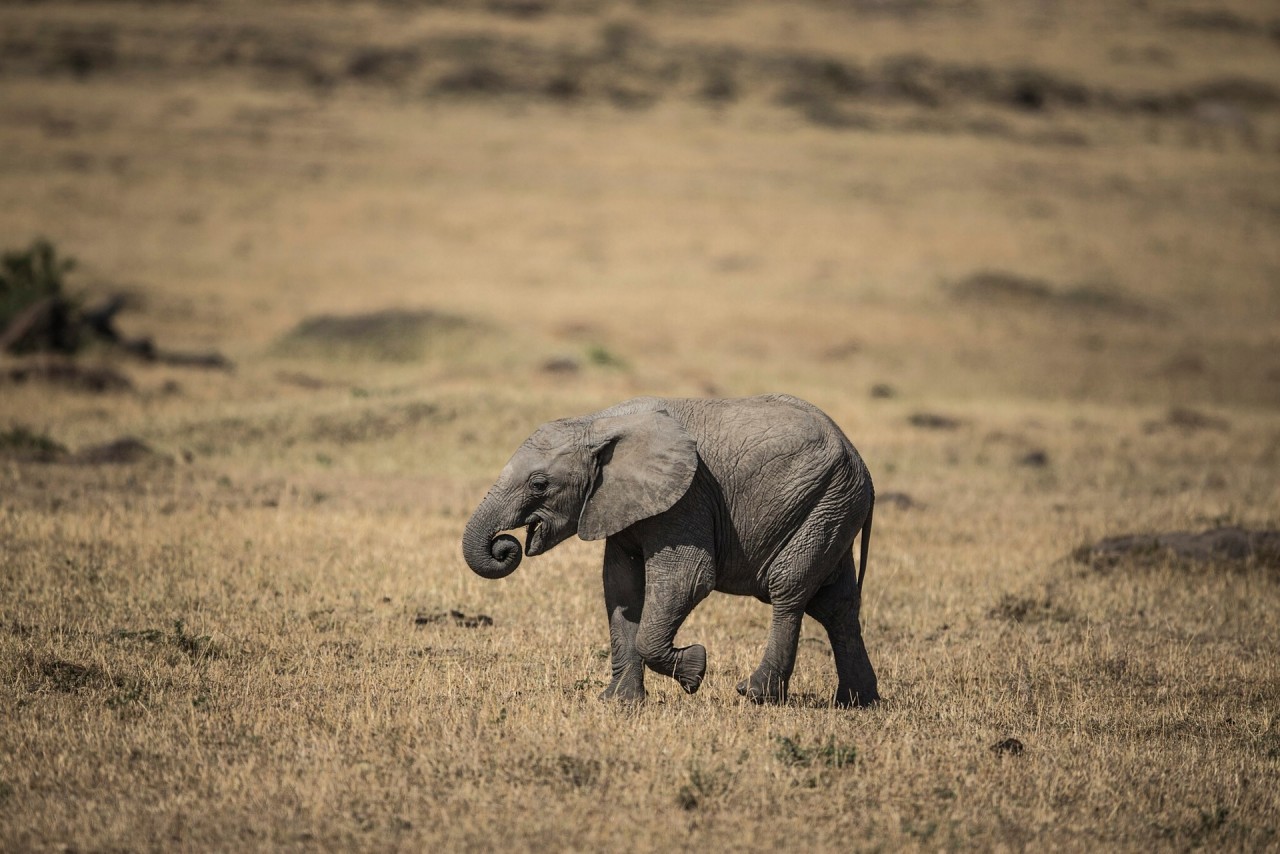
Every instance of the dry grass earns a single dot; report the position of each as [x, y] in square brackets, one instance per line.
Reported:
[230, 642]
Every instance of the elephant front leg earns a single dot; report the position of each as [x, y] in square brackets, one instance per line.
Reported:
[624, 601]
[769, 682]
[676, 580]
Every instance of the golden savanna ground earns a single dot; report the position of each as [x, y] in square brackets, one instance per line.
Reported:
[1024, 253]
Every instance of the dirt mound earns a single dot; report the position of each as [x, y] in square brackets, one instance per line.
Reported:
[1010, 289]
[1188, 421]
[122, 451]
[391, 335]
[1228, 546]
[933, 421]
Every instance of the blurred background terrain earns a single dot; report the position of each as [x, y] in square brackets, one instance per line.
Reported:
[333, 261]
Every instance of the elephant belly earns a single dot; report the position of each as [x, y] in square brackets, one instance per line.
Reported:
[737, 579]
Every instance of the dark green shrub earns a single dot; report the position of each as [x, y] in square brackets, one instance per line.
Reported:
[34, 276]
[30, 275]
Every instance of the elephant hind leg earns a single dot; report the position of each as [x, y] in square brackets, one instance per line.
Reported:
[836, 607]
[769, 682]
[820, 543]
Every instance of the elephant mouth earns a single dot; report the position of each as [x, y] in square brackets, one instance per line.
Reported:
[533, 542]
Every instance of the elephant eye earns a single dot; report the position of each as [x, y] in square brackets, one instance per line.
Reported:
[538, 483]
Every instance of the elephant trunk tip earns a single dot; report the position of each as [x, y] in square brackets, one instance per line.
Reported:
[498, 558]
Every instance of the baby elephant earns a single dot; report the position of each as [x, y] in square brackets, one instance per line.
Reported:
[760, 496]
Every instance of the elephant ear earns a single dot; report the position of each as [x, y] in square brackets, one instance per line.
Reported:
[644, 463]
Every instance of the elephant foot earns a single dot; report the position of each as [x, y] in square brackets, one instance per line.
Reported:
[622, 692]
[763, 690]
[848, 698]
[691, 666]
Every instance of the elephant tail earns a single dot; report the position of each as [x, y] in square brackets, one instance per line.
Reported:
[866, 542]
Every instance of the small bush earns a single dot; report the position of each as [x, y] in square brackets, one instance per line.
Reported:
[29, 276]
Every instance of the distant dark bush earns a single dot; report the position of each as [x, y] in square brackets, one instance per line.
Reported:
[719, 86]
[618, 39]
[475, 78]
[383, 64]
[1218, 20]
[86, 53]
[997, 284]
[30, 275]
[1245, 92]
[34, 277]
[25, 444]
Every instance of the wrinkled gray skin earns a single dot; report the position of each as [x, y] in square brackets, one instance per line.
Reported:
[760, 496]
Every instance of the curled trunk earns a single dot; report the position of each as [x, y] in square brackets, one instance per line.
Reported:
[489, 553]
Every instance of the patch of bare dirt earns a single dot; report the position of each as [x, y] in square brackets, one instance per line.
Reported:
[562, 365]
[1188, 421]
[1226, 546]
[933, 421]
[390, 335]
[304, 380]
[1011, 289]
[123, 451]
[457, 618]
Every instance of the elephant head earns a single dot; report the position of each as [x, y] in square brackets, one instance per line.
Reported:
[591, 476]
